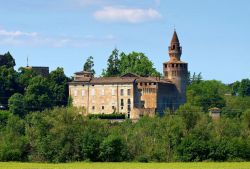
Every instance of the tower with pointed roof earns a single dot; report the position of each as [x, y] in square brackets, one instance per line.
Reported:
[176, 70]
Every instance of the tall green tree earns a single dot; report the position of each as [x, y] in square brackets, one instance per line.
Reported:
[241, 88]
[235, 88]
[24, 78]
[7, 60]
[89, 65]
[113, 64]
[58, 87]
[8, 84]
[17, 105]
[38, 96]
[244, 88]
[207, 94]
[137, 63]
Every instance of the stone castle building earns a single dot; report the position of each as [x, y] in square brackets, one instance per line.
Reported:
[130, 94]
[39, 70]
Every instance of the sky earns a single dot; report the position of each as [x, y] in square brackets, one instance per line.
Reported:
[214, 34]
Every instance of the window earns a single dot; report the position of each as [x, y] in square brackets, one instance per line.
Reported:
[128, 114]
[122, 92]
[129, 108]
[166, 74]
[83, 92]
[102, 107]
[113, 107]
[129, 101]
[113, 92]
[122, 102]
[129, 92]
[103, 92]
[93, 92]
[75, 93]
[93, 107]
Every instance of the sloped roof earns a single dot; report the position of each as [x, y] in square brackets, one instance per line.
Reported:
[82, 72]
[175, 38]
[126, 78]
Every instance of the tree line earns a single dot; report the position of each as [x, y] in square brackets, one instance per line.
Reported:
[40, 124]
[62, 135]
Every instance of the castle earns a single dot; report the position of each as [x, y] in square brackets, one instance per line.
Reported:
[130, 94]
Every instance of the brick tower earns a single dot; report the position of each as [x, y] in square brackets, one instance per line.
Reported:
[176, 70]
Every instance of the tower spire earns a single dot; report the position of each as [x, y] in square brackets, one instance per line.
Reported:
[175, 49]
[175, 38]
[27, 61]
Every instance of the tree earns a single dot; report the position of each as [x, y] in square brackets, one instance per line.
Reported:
[113, 64]
[58, 87]
[24, 78]
[89, 65]
[246, 118]
[7, 60]
[190, 115]
[38, 95]
[9, 84]
[137, 63]
[207, 94]
[194, 79]
[112, 149]
[241, 88]
[235, 88]
[244, 88]
[17, 105]
[13, 143]
[195, 146]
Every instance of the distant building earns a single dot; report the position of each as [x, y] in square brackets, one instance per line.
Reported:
[214, 113]
[131, 94]
[43, 71]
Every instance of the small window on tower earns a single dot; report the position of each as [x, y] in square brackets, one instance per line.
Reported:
[173, 47]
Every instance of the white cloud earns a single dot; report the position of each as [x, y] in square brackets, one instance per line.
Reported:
[16, 33]
[88, 2]
[122, 14]
[20, 38]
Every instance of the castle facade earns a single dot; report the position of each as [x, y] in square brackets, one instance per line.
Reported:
[130, 94]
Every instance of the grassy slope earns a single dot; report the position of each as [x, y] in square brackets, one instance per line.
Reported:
[12, 165]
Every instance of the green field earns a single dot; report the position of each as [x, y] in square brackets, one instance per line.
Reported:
[203, 165]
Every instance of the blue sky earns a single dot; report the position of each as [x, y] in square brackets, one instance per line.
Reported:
[214, 34]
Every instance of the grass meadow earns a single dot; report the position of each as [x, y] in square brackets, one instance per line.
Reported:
[126, 165]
